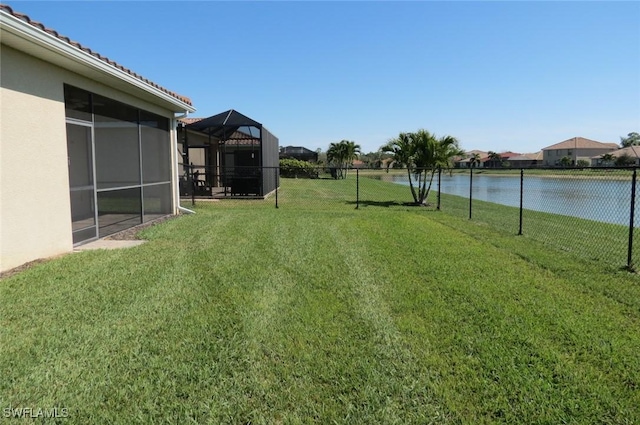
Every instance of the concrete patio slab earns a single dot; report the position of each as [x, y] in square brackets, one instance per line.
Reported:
[108, 244]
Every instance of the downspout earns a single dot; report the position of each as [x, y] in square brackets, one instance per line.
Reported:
[185, 210]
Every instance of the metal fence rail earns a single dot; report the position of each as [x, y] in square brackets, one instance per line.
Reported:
[590, 212]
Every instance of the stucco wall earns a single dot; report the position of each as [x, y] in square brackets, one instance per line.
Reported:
[551, 157]
[35, 212]
[34, 197]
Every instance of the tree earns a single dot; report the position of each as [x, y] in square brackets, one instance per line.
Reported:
[446, 148]
[400, 150]
[474, 159]
[340, 155]
[422, 153]
[625, 160]
[372, 159]
[495, 159]
[583, 163]
[352, 150]
[607, 158]
[322, 156]
[565, 161]
[632, 139]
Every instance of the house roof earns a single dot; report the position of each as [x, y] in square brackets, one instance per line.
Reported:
[81, 49]
[632, 151]
[479, 152]
[537, 156]
[189, 120]
[580, 143]
[296, 150]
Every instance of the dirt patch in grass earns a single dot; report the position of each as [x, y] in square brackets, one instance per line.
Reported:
[25, 266]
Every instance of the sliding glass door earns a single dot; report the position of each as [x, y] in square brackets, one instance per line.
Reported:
[81, 182]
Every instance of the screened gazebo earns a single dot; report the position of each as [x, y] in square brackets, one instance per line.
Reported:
[228, 154]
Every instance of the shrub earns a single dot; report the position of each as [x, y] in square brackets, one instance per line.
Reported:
[298, 169]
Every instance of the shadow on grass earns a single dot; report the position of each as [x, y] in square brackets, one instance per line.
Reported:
[387, 204]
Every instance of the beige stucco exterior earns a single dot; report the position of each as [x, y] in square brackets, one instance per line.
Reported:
[551, 157]
[35, 212]
[34, 198]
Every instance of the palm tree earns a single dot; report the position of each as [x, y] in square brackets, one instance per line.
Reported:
[351, 151]
[442, 151]
[474, 159]
[495, 158]
[340, 155]
[401, 151]
[334, 159]
[607, 158]
[423, 153]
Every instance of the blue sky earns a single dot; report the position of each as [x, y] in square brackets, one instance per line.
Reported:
[498, 76]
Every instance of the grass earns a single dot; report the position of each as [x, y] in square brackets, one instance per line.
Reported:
[587, 239]
[320, 313]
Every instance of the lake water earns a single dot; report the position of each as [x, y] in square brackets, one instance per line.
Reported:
[606, 200]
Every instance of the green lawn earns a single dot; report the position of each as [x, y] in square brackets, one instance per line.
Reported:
[320, 313]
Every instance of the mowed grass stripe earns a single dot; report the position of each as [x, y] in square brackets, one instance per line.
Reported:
[507, 330]
[247, 313]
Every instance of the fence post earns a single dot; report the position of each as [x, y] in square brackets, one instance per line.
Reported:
[193, 186]
[470, 191]
[277, 172]
[632, 213]
[357, 188]
[439, 185]
[521, 196]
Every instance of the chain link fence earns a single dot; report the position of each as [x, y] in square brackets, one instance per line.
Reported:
[590, 212]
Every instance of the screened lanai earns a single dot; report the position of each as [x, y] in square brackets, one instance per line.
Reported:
[227, 155]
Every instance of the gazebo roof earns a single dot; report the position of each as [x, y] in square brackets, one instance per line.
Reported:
[223, 125]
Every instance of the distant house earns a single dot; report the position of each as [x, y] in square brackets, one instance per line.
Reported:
[505, 157]
[632, 151]
[358, 164]
[465, 161]
[526, 160]
[298, 152]
[576, 149]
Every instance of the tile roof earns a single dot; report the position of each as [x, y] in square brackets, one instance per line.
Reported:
[188, 120]
[632, 151]
[40, 26]
[537, 156]
[580, 143]
[508, 154]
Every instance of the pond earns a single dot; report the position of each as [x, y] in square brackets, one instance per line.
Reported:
[599, 199]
